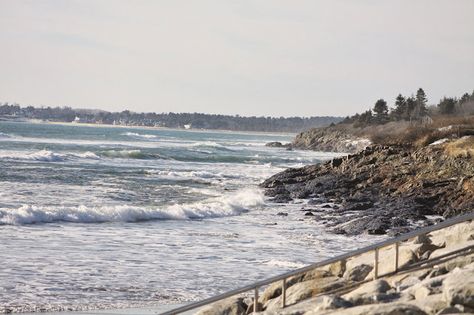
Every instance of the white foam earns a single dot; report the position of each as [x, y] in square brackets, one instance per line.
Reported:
[211, 144]
[4, 135]
[139, 135]
[228, 205]
[46, 156]
[122, 153]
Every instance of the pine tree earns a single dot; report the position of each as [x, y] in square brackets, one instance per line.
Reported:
[381, 111]
[400, 109]
[447, 105]
[421, 100]
[411, 105]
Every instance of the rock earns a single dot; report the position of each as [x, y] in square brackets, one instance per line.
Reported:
[316, 274]
[395, 308]
[319, 304]
[358, 273]
[370, 292]
[457, 262]
[453, 235]
[384, 189]
[430, 304]
[337, 269]
[452, 247]
[274, 290]
[307, 289]
[231, 306]
[284, 214]
[422, 292]
[274, 144]
[458, 287]
[425, 287]
[331, 302]
[449, 310]
[358, 266]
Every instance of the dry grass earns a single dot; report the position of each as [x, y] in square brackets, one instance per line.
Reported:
[463, 147]
[420, 135]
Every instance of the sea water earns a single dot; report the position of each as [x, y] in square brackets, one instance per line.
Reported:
[98, 217]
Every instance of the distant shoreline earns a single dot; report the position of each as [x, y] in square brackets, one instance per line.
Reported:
[39, 121]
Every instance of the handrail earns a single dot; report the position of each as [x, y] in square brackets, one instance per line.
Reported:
[374, 247]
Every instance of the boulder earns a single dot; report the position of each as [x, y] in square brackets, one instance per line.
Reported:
[458, 287]
[305, 290]
[453, 235]
[274, 290]
[431, 304]
[358, 273]
[230, 306]
[319, 304]
[408, 253]
[395, 308]
[370, 292]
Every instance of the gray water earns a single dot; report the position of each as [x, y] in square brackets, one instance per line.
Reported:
[108, 217]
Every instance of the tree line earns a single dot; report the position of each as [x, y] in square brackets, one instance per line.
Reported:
[412, 108]
[170, 120]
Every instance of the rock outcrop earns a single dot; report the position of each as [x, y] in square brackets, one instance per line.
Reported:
[381, 189]
[329, 140]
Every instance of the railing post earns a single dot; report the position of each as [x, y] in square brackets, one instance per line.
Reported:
[283, 293]
[255, 300]
[376, 263]
[397, 244]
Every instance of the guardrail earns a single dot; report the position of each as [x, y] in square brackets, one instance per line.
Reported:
[283, 277]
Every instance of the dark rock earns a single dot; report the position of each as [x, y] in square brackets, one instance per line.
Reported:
[381, 189]
[274, 144]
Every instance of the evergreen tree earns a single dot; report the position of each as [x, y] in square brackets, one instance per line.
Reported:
[465, 98]
[381, 111]
[421, 100]
[400, 109]
[410, 108]
[447, 105]
[364, 119]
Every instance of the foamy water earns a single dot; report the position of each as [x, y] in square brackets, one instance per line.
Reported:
[95, 217]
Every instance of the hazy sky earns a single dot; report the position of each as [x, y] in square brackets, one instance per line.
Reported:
[272, 58]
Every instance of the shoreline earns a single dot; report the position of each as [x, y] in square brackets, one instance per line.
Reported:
[382, 189]
[270, 133]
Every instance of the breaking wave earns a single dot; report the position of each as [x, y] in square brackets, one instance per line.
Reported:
[228, 205]
[139, 135]
[46, 156]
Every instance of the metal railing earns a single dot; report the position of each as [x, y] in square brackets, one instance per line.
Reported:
[284, 277]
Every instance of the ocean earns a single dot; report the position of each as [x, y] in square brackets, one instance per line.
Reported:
[95, 217]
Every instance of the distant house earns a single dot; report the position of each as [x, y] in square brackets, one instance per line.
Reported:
[187, 126]
[77, 120]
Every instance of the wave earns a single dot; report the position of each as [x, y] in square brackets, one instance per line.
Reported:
[46, 156]
[4, 135]
[139, 135]
[197, 176]
[229, 205]
[130, 154]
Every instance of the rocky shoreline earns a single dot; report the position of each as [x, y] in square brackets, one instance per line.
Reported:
[381, 189]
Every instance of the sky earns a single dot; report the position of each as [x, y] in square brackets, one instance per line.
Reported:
[247, 57]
